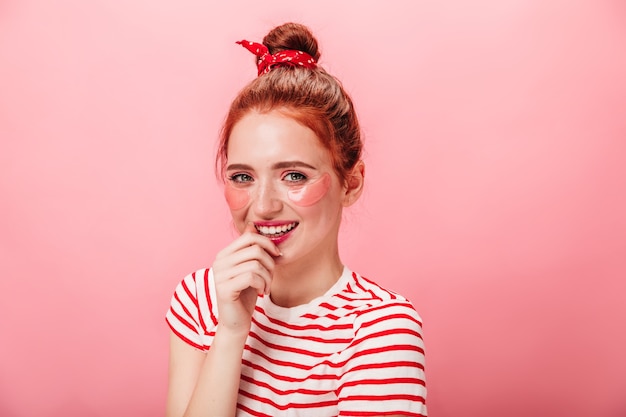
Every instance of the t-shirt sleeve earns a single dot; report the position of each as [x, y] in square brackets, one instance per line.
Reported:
[384, 372]
[190, 310]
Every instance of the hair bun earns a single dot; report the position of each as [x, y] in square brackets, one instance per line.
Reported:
[292, 36]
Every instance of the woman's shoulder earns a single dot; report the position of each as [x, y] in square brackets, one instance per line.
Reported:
[200, 277]
[370, 300]
[192, 311]
[383, 321]
[195, 286]
[371, 292]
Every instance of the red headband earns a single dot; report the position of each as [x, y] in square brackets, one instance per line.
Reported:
[288, 57]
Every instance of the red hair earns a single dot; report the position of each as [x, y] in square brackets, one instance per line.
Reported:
[312, 97]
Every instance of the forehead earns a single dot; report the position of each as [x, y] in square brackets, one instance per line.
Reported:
[271, 137]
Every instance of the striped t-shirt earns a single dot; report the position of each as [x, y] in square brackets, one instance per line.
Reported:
[355, 351]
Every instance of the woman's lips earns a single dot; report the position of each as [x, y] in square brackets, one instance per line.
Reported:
[277, 232]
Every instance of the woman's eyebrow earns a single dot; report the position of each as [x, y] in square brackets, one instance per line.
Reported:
[277, 165]
[242, 167]
[292, 164]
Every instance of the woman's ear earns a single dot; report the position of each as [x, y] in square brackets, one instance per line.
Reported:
[354, 184]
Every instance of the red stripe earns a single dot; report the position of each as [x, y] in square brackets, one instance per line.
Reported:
[184, 322]
[346, 298]
[327, 316]
[189, 315]
[207, 289]
[390, 348]
[404, 304]
[312, 338]
[379, 413]
[328, 306]
[184, 339]
[390, 317]
[286, 377]
[190, 294]
[390, 332]
[386, 397]
[407, 364]
[360, 382]
[286, 363]
[283, 392]
[318, 404]
[251, 411]
[285, 348]
[358, 284]
[391, 294]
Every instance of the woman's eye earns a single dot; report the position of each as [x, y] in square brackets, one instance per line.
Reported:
[240, 178]
[294, 177]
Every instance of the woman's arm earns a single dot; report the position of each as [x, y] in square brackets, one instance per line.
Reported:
[204, 384]
[384, 373]
[184, 368]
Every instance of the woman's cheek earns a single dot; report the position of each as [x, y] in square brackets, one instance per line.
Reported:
[236, 198]
[310, 193]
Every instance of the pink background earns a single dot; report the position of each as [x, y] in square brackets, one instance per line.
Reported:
[496, 190]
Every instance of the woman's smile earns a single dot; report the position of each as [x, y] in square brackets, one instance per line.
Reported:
[277, 232]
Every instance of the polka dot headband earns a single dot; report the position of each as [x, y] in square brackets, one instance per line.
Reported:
[289, 57]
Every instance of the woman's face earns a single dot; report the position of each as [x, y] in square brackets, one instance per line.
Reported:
[281, 178]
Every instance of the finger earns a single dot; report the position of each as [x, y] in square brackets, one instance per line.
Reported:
[250, 238]
[267, 244]
[247, 276]
[227, 260]
[250, 228]
[253, 253]
[252, 267]
[262, 241]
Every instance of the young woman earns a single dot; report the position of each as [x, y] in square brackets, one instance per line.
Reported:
[278, 326]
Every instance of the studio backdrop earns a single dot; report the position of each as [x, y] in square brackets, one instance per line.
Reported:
[495, 197]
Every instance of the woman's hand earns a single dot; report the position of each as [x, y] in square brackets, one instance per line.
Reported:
[243, 270]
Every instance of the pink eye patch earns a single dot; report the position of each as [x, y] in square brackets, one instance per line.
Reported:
[236, 198]
[311, 193]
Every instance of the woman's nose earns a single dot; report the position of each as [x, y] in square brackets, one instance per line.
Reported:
[267, 200]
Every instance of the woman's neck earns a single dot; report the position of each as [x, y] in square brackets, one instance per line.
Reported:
[300, 282]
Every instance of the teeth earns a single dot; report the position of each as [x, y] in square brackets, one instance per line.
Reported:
[275, 230]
